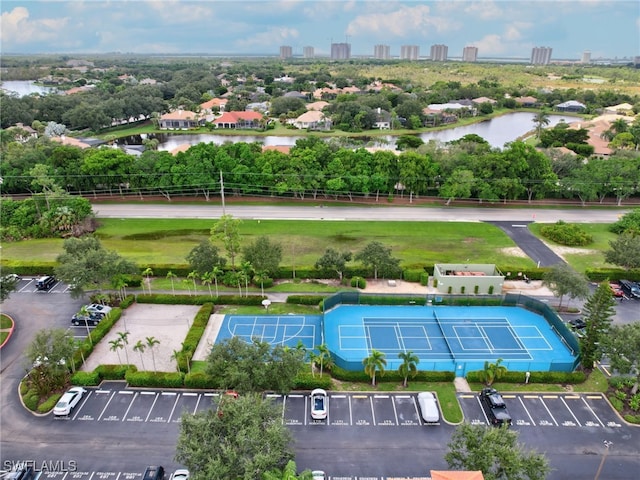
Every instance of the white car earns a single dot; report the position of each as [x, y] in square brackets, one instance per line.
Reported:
[68, 401]
[98, 309]
[319, 404]
[428, 407]
[180, 474]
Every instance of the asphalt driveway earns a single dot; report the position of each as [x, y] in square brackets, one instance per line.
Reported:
[529, 243]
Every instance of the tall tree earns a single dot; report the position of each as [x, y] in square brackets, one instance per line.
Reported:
[409, 365]
[204, 256]
[563, 280]
[374, 363]
[247, 441]
[8, 284]
[598, 312]
[333, 261]
[378, 257]
[151, 343]
[495, 452]
[541, 120]
[50, 353]
[622, 347]
[624, 251]
[493, 372]
[264, 255]
[227, 230]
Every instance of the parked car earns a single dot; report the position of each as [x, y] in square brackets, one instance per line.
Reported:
[494, 407]
[45, 283]
[153, 472]
[319, 404]
[630, 289]
[428, 407]
[68, 401]
[180, 474]
[91, 319]
[98, 309]
[616, 291]
[578, 323]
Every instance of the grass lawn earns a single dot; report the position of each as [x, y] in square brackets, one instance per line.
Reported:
[5, 322]
[589, 256]
[3, 336]
[168, 241]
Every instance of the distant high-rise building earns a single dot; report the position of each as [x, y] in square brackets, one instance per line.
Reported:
[340, 51]
[439, 52]
[382, 52]
[308, 52]
[541, 55]
[409, 52]
[286, 51]
[586, 57]
[470, 54]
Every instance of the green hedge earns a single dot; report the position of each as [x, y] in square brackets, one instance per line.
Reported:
[413, 275]
[127, 302]
[31, 400]
[86, 379]
[535, 377]
[28, 268]
[568, 234]
[391, 375]
[307, 381]
[113, 372]
[49, 403]
[613, 274]
[155, 379]
[306, 299]
[98, 333]
[358, 282]
[169, 299]
[200, 380]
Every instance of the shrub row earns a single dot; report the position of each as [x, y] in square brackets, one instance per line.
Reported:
[113, 372]
[193, 336]
[154, 379]
[358, 282]
[28, 268]
[535, 377]
[613, 274]
[49, 403]
[307, 381]
[169, 299]
[306, 299]
[98, 333]
[391, 375]
[568, 234]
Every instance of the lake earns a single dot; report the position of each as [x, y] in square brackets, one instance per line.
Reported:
[25, 87]
[497, 131]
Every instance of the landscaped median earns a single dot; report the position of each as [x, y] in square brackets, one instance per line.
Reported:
[6, 328]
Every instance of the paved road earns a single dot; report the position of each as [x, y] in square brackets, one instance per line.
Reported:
[385, 213]
[529, 243]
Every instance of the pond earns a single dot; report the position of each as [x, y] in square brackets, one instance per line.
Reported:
[25, 87]
[497, 131]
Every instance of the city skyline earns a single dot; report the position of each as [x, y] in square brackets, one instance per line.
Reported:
[498, 29]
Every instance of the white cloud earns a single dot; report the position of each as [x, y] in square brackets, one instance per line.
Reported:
[18, 29]
[403, 22]
[175, 11]
[271, 37]
[484, 10]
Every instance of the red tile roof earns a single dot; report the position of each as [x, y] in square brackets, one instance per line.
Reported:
[235, 117]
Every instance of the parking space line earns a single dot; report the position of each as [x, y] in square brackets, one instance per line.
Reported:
[189, 394]
[594, 397]
[415, 406]
[526, 410]
[549, 411]
[151, 409]
[571, 411]
[284, 406]
[170, 394]
[108, 402]
[373, 412]
[594, 413]
[549, 396]
[466, 396]
[395, 412]
[350, 413]
[103, 391]
[195, 409]
[124, 417]
[82, 405]
[174, 407]
[148, 393]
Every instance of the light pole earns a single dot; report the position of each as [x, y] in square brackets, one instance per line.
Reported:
[607, 444]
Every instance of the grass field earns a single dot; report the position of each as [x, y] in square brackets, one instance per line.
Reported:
[167, 241]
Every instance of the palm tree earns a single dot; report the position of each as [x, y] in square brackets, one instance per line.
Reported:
[147, 273]
[124, 338]
[171, 276]
[193, 276]
[374, 363]
[409, 365]
[541, 120]
[240, 278]
[261, 277]
[151, 343]
[187, 284]
[215, 273]
[116, 345]
[206, 279]
[493, 372]
[247, 270]
[85, 313]
[120, 284]
[176, 356]
[323, 357]
[140, 348]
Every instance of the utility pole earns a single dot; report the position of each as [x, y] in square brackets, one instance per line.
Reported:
[222, 192]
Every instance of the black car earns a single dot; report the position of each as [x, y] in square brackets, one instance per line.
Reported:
[494, 407]
[91, 319]
[153, 472]
[46, 282]
[578, 323]
[630, 289]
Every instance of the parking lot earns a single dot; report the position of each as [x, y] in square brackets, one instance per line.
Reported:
[548, 410]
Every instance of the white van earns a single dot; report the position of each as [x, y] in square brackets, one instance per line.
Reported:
[429, 407]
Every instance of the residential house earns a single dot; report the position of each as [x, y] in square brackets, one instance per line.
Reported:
[262, 107]
[74, 142]
[23, 132]
[378, 86]
[571, 106]
[596, 129]
[247, 119]
[621, 109]
[383, 119]
[210, 108]
[286, 149]
[295, 94]
[312, 120]
[435, 117]
[526, 101]
[180, 120]
[326, 93]
[481, 100]
[319, 105]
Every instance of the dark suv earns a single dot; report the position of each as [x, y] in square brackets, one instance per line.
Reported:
[46, 282]
[153, 473]
[91, 319]
[630, 289]
[494, 407]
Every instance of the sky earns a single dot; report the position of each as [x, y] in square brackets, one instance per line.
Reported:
[499, 29]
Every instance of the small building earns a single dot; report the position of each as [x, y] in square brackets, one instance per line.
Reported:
[468, 278]
[312, 120]
[238, 120]
[526, 101]
[571, 106]
[179, 120]
[383, 119]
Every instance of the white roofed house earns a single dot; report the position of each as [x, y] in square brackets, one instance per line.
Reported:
[312, 120]
[383, 119]
[571, 106]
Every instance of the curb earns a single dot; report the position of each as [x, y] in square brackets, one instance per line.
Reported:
[13, 326]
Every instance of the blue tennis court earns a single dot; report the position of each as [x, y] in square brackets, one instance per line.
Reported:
[273, 329]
